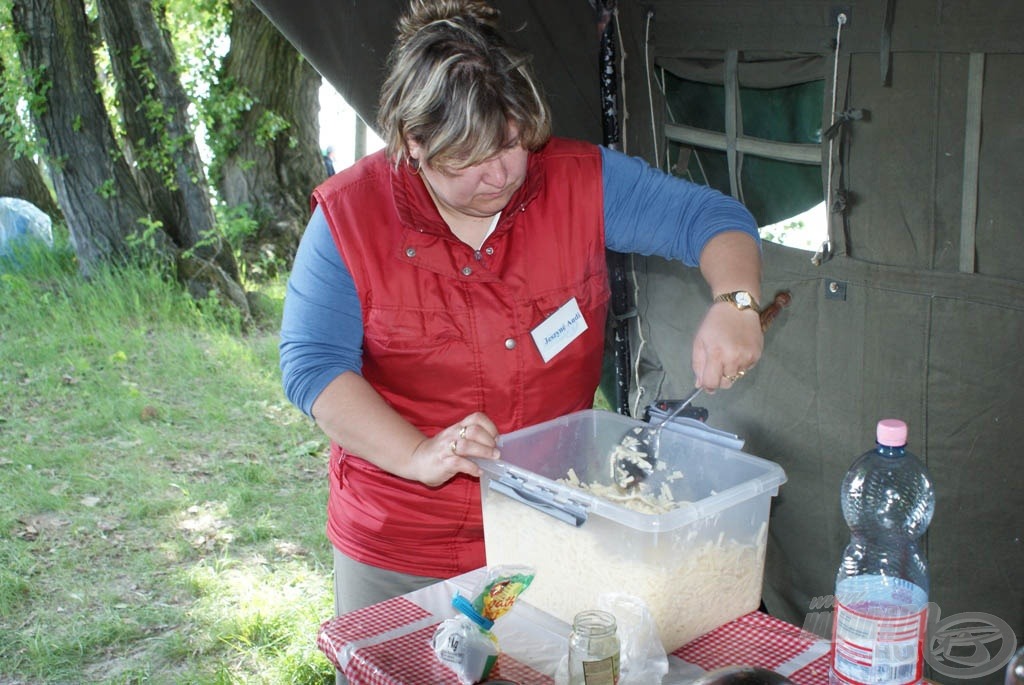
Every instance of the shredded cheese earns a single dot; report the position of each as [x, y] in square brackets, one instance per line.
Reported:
[692, 580]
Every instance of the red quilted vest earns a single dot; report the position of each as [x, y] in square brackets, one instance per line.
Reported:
[447, 332]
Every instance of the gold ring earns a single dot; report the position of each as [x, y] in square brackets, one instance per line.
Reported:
[740, 374]
[731, 379]
[462, 432]
[452, 446]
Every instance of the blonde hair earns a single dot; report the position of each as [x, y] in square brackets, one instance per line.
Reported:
[454, 86]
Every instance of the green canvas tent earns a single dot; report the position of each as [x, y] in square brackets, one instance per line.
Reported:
[904, 118]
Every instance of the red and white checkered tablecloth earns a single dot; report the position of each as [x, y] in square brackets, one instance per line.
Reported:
[389, 644]
[758, 639]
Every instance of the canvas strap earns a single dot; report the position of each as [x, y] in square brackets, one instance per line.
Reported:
[972, 155]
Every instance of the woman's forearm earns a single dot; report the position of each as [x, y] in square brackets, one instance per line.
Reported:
[354, 415]
[732, 261]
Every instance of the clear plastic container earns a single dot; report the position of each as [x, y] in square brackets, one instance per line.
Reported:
[696, 566]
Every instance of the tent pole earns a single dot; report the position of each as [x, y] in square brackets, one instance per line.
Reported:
[621, 309]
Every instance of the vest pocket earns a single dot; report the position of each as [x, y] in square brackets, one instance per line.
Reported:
[592, 295]
[410, 330]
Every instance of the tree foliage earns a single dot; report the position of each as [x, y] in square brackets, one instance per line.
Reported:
[110, 94]
[159, 136]
[267, 90]
[104, 208]
[20, 176]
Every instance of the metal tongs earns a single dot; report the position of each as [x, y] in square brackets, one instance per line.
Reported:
[634, 458]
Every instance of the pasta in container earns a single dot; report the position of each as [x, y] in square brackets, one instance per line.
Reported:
[690, 544]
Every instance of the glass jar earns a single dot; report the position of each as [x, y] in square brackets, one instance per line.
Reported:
[593, 649]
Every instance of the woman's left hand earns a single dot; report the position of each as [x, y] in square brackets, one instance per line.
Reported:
[437, 459]
[728, 344]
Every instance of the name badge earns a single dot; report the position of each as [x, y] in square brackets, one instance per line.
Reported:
[558, 330]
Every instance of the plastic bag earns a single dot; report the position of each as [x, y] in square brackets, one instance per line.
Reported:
[642, 657]
[501, 589]
[21, 220]
[465, 647]
[465, 643]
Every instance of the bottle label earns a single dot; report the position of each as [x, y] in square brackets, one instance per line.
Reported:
[878, 643]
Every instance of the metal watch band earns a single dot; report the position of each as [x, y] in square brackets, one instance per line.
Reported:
[741, 299]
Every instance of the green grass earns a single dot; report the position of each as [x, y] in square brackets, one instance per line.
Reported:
[162, 507]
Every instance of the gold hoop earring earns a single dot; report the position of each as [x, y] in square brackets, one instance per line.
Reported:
[414, 166]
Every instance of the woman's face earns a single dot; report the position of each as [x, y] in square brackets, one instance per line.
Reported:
[477, 191]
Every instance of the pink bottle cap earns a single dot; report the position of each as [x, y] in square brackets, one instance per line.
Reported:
[891, 433]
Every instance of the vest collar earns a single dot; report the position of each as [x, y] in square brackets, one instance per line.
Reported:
[417, 211]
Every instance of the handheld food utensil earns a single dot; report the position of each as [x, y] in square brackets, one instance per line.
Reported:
[636, 455]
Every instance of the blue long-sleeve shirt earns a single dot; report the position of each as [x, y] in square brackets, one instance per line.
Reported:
[646, 211]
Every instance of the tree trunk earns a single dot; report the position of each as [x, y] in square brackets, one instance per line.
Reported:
[21, 177]
[273, 162]
[161, 142]
[95, 188]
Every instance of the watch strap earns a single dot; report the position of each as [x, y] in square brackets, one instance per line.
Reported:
[739, 299]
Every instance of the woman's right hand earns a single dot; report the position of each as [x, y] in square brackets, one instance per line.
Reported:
[436, 460]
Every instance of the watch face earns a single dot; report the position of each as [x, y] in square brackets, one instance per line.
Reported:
[743, 299]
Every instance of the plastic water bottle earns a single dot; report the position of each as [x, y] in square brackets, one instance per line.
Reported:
[882, 586]
[1015, 669]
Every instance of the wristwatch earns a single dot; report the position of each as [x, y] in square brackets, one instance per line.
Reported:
[741, 299]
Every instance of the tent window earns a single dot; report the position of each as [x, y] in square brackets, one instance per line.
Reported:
[774, 147]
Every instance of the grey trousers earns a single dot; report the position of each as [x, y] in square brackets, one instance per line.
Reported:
[358, 585]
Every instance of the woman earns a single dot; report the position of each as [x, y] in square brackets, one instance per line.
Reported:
[423, 314]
